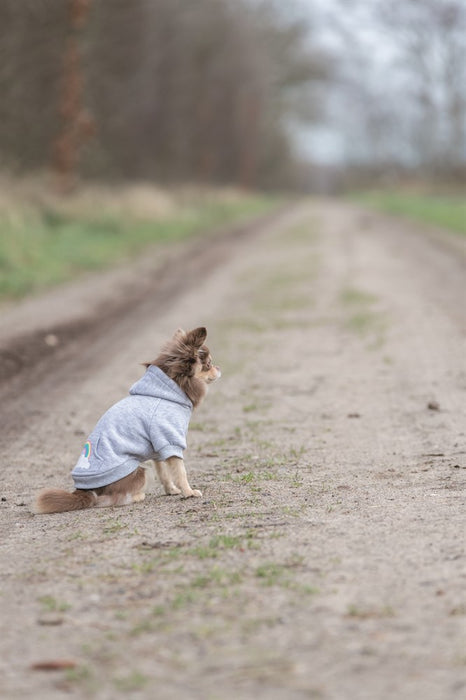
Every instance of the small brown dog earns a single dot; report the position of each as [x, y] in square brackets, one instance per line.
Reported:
[149, 424]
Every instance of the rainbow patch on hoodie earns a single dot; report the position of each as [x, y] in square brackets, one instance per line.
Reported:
[87, 450]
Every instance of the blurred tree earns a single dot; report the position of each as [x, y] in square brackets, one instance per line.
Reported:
[32, 44]
[401, 94]
[179, 90]
[77, 123]
[430, 36]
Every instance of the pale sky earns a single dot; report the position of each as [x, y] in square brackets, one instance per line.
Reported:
[328, 142]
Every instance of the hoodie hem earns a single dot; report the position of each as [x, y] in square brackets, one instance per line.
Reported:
[94, 481]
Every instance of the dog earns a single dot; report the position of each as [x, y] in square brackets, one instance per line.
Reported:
[149, 424]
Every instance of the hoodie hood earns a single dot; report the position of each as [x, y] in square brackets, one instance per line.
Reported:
[157, 384]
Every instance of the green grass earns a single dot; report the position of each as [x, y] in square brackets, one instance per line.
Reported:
[131, 683]
[447, 211]
[51, 604]
[43, 246]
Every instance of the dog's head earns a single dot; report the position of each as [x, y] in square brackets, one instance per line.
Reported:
[187, 360]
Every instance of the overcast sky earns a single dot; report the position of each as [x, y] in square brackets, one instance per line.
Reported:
[328, 142]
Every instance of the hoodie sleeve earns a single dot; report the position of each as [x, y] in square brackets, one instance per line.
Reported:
[168, 429]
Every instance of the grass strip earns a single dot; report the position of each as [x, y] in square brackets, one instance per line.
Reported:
[43, 247]
[446, 211]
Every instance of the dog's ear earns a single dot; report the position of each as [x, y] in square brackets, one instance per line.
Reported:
[196, 337]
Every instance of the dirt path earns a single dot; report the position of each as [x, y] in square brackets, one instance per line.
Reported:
[326, 559]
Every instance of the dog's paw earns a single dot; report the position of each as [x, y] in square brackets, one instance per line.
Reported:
[171, 490]
[194, 493]
[138, 497]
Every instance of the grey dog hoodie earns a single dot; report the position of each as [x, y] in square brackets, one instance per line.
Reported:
[150, 423]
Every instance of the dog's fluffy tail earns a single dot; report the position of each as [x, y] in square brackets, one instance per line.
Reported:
[58, 501]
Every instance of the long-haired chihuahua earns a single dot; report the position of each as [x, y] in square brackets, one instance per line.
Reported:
[149, 424]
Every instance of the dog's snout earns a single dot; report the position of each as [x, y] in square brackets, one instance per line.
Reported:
[215, 374]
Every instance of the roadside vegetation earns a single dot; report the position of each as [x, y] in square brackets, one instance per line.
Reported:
[46, 239]
[447, 211]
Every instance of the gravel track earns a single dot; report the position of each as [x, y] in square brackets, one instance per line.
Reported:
[326, 559]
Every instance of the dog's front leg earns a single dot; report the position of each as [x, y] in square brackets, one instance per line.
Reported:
[178, 473]
[166, 479]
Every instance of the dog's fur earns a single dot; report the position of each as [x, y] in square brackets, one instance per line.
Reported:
[187, 361]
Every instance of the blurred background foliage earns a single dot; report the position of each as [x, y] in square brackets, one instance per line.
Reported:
[101, 100]
[153, 89]
[310, 94]
[399, 97]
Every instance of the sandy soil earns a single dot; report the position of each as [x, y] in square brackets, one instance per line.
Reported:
[326, 559]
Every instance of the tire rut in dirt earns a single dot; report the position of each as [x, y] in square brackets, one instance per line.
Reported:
[31, 368]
